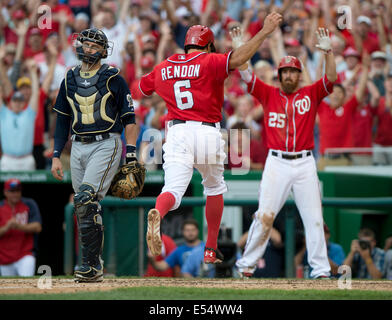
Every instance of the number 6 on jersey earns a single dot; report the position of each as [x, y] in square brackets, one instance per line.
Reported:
[180, 95]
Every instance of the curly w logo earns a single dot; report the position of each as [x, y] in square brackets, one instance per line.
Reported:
[303, 105]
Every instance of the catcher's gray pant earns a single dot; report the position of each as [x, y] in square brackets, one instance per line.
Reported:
[95, 164]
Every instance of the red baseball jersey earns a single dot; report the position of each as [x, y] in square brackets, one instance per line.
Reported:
[336, 129]
[15, 244]
[363, 126]
[384, 127]
[168, 246]
[190, 84]
[289, 118]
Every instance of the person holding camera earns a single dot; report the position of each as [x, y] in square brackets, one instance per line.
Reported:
[365, 259]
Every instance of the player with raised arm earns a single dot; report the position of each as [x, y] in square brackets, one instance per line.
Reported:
[290, 114]
[192, 86]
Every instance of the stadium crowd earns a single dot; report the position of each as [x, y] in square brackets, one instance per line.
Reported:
[36, 38]
[36, 49]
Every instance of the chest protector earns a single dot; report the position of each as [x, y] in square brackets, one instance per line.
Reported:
[93, 106]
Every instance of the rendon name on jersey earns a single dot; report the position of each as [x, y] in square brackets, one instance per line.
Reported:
[191, 85]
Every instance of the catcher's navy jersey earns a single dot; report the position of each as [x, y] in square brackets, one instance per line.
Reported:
[96, 104]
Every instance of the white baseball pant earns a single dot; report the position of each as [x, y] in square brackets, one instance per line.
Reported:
[280, 176]
[10, 163]
[24, 267]
[193, 145]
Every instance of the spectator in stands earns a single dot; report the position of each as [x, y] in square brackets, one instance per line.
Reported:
[364, 39]
[384, 126]
[43, 60]
[244, 113]
[20, 222]
[352, 59]
[11, 61]
[35, 43]
[335, 254]
[168, 246]
[365, 259]
[190, 233]
[377, 72]
[194, 266]
[115, 30]
[180, 24]
[387, 272]
[338, 46]
[336, 120]
[271, 265]
[7, 58]
[24, 86]
[245, 153]
[17, 127]
[263, 71]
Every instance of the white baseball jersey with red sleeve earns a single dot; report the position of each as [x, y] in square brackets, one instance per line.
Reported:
[289, 118]
[191, 85]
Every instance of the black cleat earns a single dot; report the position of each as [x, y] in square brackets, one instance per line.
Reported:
[86, 273]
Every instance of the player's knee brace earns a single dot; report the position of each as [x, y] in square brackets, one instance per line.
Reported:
[85, 195]
[88, 212]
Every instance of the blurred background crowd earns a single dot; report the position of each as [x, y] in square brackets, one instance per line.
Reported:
[355, 127]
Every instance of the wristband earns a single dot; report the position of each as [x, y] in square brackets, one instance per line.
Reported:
[131, 148]
[246, 75]
[130, 152]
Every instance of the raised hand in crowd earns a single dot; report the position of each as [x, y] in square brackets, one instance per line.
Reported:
[33, 70]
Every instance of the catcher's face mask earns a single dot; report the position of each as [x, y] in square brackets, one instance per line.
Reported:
[91, 46]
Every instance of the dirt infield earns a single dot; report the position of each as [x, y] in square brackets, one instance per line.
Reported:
[25, 286]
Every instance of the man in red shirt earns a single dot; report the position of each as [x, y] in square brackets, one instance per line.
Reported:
[336, 120]
[192, 85]
[384, 126]
[289, 115]
[168, 246]
[20, 221]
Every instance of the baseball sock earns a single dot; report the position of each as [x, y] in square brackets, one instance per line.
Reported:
[214, 210]
[164, 203]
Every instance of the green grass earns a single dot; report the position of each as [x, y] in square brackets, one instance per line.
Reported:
[169, 293]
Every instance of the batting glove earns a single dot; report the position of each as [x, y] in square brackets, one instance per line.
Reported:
[324, 41]
[236, 37]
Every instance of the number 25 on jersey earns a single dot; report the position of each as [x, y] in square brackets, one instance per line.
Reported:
[276, 120]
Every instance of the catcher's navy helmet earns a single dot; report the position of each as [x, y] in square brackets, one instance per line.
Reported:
[93, 35]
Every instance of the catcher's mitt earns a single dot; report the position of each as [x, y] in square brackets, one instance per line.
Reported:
[128, 181]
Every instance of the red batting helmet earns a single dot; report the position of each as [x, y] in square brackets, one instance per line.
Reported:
[289, 62]
[199, 36]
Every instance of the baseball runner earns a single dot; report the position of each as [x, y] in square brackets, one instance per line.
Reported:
[192, 86]
[290, 114]
[95, 101]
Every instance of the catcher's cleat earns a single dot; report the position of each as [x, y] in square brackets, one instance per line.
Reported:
[212, 256]
[153, 236]
[86, 273]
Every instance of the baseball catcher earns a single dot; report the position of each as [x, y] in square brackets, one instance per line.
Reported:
[95, 101]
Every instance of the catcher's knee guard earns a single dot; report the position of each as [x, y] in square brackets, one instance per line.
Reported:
[88, 212]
